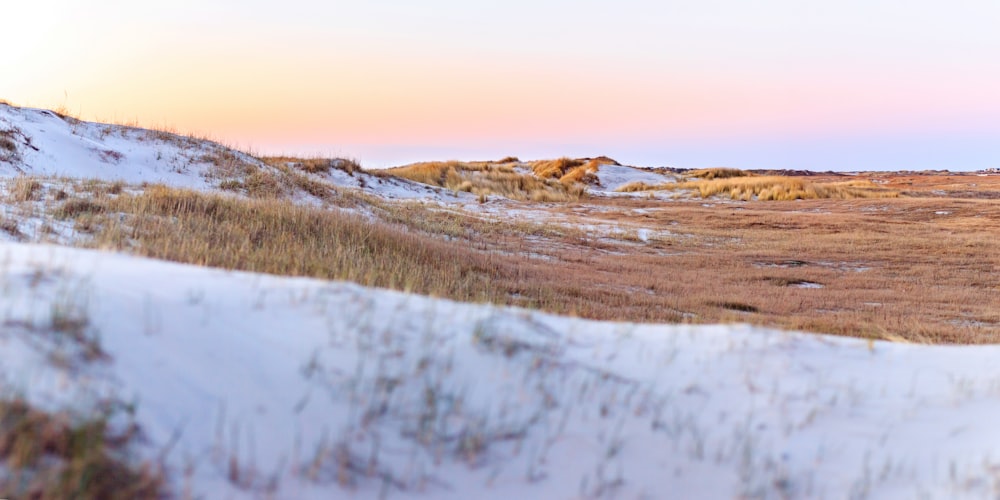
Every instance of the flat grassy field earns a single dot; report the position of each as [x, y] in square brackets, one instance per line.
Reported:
[921, 266]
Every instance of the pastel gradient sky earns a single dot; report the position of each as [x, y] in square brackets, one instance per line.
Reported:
[841, 85]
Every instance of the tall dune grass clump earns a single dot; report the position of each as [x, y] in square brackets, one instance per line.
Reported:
[486, 178]
[25, 188]
[555, 169]
[436, 173]
[570, 171]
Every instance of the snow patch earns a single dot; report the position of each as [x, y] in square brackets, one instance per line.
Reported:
[310, 389]
[612, 177]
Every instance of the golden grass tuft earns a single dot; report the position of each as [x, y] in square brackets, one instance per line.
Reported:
[433, 173]
[260, 184]
[719, 173]
[585, 173]
[638, 186]
[555, 169]
[24, 189]
[485, 178]
[572, 171]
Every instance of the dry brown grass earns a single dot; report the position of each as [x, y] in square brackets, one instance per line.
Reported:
[635, 187]
[262, 184]
[314, 165]
[275, 236]
[278, 237]
[438, 173]
[310, 165]
[24, 189]
[919, 269]
[10, 226]
[235, 171]
[570, 171]
[585, 173]
[555, 169]
[929, 185]
[7, 143]
[485, 178]
[228, 165]
[771, 188]
[50, 456]
[76, 207]
[719, 173]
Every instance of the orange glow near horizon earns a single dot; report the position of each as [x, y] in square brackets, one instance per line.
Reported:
[307, 75]
[373, 108]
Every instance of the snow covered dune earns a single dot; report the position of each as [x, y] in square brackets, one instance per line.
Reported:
[47, 144]
[248, 385]
[42, 143]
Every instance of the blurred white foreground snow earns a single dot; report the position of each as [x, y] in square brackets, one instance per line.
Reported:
[254, 385]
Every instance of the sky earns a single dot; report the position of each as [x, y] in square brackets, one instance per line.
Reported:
[846, 85]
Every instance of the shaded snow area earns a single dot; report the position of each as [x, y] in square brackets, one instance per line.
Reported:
[612, 177]
[253, 385]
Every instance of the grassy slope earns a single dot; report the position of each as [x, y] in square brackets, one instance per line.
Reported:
[887, 268]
